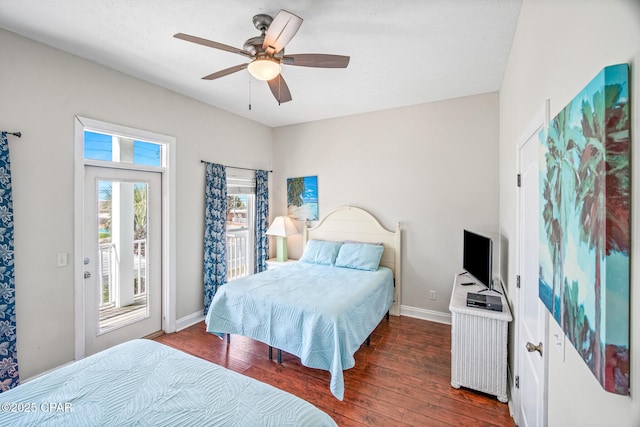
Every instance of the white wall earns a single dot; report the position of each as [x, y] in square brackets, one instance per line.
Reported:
[42, 90]
[431, 166]
[558, 48]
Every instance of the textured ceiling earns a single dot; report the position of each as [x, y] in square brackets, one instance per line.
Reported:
[402, 52]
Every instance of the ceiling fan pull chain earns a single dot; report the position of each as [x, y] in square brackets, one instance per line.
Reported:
[249, 94]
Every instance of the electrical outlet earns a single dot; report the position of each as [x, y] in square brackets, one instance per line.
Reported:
[62, 259]
[433, 295]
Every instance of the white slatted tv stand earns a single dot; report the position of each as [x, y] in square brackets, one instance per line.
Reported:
[479, 339]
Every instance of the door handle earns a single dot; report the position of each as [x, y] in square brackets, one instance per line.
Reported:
[532, 347]
[87, 274]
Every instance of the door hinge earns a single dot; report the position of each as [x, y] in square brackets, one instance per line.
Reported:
[518, 281]
[517, 381]
[519, 180]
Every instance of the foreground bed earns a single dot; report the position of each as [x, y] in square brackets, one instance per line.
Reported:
[145, 383]
[323, 307]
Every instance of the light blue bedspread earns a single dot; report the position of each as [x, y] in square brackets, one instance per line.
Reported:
[322, 314]
[145, 383]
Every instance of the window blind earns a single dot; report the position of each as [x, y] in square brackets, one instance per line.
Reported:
[241, 181]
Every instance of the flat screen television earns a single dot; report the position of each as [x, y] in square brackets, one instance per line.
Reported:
[477, 257]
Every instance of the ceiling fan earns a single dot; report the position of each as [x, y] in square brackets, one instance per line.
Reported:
[267, 52]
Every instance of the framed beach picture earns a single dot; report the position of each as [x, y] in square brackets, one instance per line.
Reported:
[302, 198]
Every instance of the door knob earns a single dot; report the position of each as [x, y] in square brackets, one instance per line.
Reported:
[87, 274]
[532, 347]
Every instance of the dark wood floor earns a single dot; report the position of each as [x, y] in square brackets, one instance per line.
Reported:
[401, 379]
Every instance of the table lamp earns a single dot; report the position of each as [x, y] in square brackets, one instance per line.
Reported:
[281, 227]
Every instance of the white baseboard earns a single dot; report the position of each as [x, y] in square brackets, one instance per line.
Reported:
[23, 380]
[512, 395]
[424, 314]
[405, 310]
[190, 320]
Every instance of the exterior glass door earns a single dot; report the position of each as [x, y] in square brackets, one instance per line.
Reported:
[122, 256]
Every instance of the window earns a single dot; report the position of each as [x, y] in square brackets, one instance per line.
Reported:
[113, 148]
[241, 188]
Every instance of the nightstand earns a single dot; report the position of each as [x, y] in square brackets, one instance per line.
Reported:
[273, 263]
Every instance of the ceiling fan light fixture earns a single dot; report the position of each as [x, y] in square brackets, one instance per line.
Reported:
[264, 68]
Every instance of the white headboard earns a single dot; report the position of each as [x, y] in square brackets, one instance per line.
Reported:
[351, 223]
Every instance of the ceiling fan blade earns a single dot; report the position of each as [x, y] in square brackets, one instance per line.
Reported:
[211, 43]
[316, 60]
[282, 29]
[279, 89]
[225, 72]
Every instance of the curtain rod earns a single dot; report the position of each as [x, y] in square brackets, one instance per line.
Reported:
[18, 134]
[236, 167]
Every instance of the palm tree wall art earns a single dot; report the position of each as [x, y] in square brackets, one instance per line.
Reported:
[585, 224]
[302, 198]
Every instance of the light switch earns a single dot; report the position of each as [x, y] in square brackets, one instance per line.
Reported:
[62, 259]
[557, 338]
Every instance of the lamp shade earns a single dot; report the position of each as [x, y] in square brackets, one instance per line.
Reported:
[264, 68]
[282, 226]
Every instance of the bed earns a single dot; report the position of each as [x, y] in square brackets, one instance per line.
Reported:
[145, 383]
[322, 308]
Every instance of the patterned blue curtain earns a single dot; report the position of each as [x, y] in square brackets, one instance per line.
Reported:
[215, 231]
[262, 220]
[8, 352]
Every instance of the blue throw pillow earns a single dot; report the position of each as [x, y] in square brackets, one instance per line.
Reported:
[320, 252]
[361, 256]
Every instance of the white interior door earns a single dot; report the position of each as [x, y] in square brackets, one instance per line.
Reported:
[122, 256]
[532, 316]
